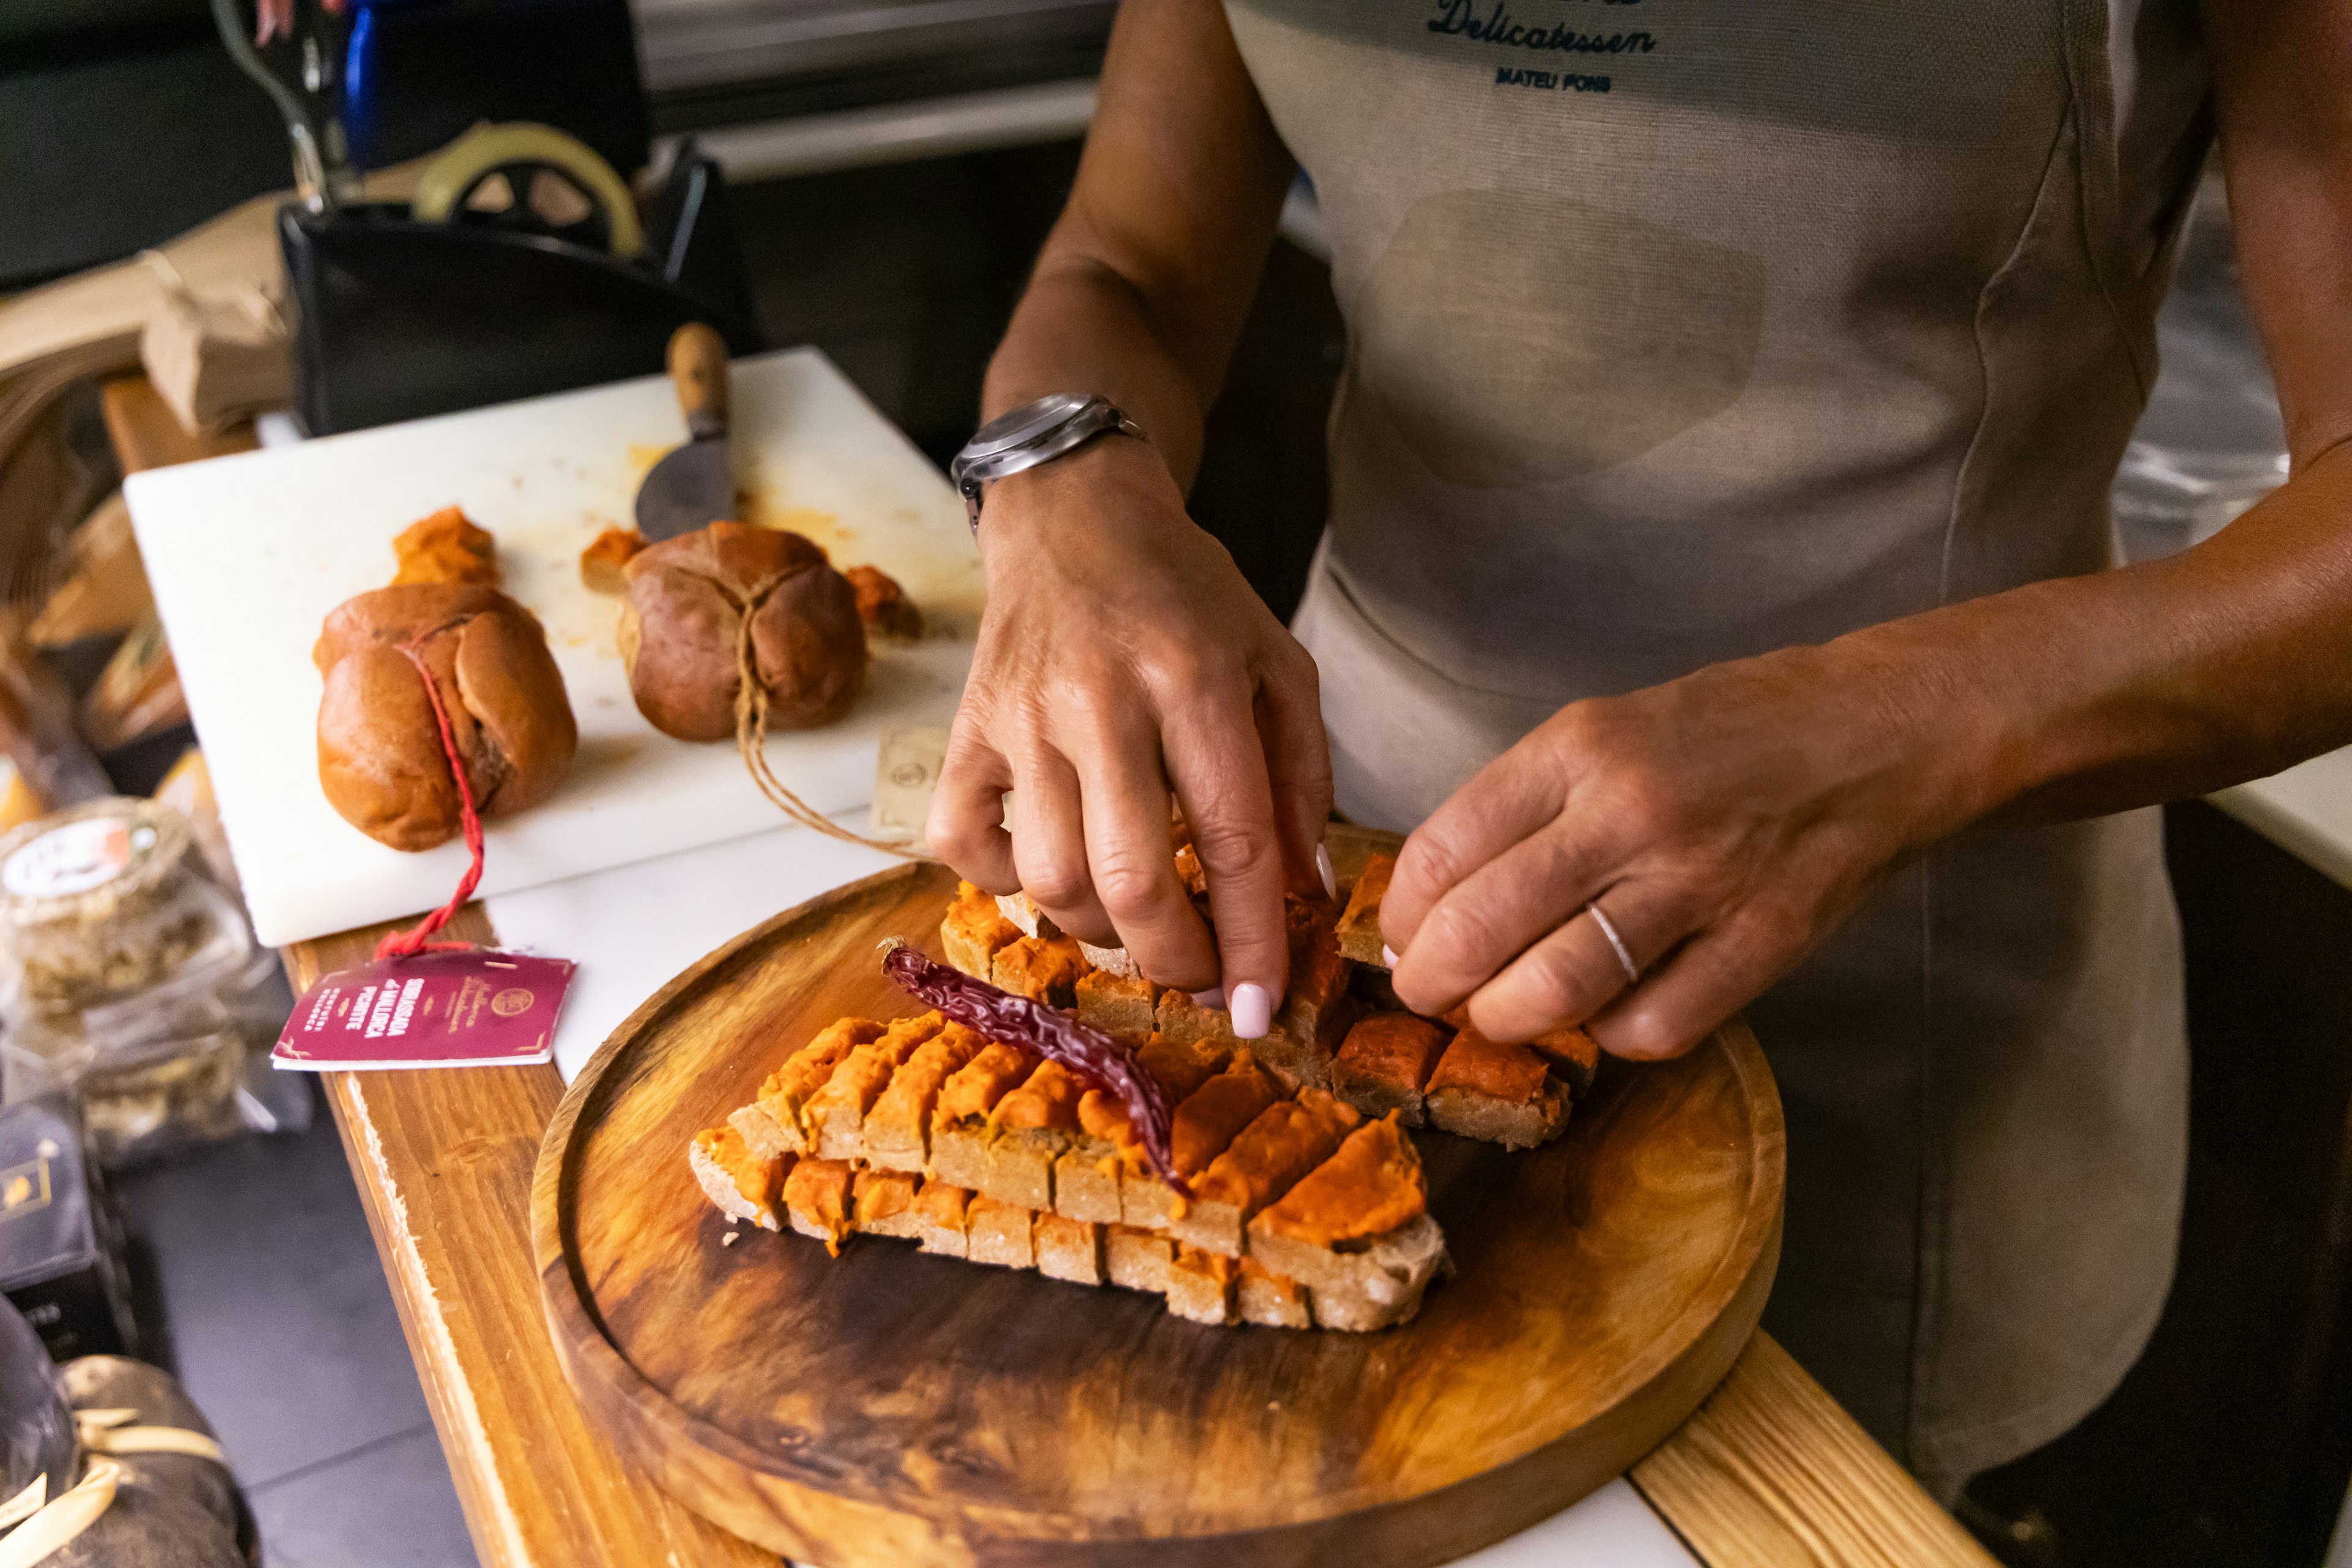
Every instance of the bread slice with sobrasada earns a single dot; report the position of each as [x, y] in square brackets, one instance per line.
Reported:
[974, 929]
[1262, 1295]
[818, 1200]
[1385, 1063]
[833, 1120]
[882, 1202]
[772, 1122]
[1204, 1123]
[1287, 1140]
[898, 1130]
[1201, 1285]
[741, 1184]
[1298, 1216]
[1336, 981]
[1356, 1232]
[1032, 1125]
[941, 1210]
[1117, 1003]
[1498, 1092]
[1001, 1232]
[1574, 1055]
[1089, 1179]
[961, 1124]
[1069, 1249]
[1138, 1259]
[1043, 969]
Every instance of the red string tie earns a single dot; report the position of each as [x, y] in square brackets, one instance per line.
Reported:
[403, 943]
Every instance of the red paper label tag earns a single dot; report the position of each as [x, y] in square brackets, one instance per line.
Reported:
[476, 1008]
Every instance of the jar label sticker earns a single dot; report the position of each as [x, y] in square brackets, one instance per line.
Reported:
[479, 1007]
[76, 857]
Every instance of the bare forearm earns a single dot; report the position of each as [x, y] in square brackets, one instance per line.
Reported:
[2234, 659]
[1144, 283]
[2158, 682]
[1082, 327]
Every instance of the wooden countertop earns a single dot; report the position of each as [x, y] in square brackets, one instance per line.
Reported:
[1768, 1471]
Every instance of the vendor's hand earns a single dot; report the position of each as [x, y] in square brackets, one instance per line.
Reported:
[1723, 824]
[1122, 653]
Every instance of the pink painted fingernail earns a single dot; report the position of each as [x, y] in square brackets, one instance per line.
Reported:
[1253, 1012]
[1215, 996]
[1387, 956]
[1323, 870]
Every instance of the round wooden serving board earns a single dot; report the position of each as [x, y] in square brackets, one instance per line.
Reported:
[891, 1409]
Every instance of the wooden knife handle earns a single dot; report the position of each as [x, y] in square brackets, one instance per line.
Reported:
[697, 368]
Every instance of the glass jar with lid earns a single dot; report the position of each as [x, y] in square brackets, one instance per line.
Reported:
[127, 975]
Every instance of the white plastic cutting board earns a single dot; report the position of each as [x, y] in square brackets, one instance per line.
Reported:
[248, 554]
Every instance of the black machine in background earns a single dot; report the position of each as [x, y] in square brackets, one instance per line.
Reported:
[398, 318]
[524, 264]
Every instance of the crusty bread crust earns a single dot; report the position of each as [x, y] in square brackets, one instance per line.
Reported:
[1112, 961]
[685, 611]
[719, 1188]
[1271, 1300]
[1537, 1121]
[1069, 1249]
[1361, 1289]
[1023, 912]
[381, 761]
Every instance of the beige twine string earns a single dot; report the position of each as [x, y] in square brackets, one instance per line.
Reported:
[40, 1529]
[62, 1519]
[112, 1432]
[751, 737]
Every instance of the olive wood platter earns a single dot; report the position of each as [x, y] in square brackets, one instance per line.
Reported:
[892, 1408]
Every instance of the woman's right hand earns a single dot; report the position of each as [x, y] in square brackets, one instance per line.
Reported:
[1122, 655]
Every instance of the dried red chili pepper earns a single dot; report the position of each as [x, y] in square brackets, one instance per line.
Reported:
[1054, 1035]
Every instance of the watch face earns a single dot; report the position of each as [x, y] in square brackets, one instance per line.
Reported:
[1019, 426]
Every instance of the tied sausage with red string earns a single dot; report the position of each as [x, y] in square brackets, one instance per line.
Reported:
[709, 608]
[382, 759]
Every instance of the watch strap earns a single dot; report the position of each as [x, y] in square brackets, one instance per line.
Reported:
[1030, 435]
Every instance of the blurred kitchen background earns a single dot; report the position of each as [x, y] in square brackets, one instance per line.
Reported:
[874, 177]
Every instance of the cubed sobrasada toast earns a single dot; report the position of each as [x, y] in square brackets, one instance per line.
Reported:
[1331, 1032]
[1308, 1208]
[1049, 1174]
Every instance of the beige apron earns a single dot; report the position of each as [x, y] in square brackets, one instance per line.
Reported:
[1684, 329]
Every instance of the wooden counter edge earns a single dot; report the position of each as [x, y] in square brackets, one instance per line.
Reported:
[1771, 1472]
[146, 434]
[443, 1159]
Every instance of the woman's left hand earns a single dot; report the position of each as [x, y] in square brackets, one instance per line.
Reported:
[1723, 823]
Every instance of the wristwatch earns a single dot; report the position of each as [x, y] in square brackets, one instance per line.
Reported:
[1032, 434]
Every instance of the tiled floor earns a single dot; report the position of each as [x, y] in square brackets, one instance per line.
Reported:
[275, 1316]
